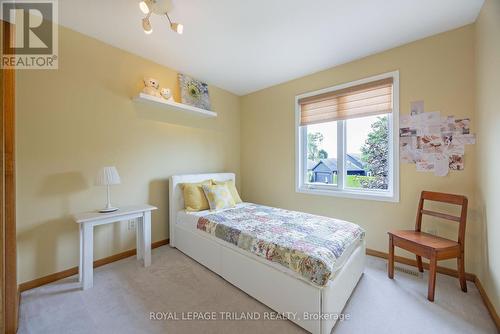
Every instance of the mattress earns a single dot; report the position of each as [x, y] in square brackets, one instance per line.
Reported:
[189, 220]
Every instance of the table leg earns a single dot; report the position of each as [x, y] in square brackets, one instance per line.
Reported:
[88, 256]
[146, 234]
[139, 231]
[80, 264]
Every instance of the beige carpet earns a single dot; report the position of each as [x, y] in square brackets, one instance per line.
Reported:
[125, 293]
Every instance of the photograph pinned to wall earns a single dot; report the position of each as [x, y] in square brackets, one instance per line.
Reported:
[455, 148]
[194, 92]
[416, 107]
[441, 165]
[467, 139]
[430, 143]
[406, 121]
[462, 126]
[425, 165]
[456, 162]
[431, 129]
[447, 139]
[438, 163]
[428, 123]
[427, 119]
[407, 132]
[448, 124]
[407, 148]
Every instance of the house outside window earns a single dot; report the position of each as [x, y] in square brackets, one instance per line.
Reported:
[347, 139]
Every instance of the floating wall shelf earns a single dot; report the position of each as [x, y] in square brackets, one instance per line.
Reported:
[172, 105]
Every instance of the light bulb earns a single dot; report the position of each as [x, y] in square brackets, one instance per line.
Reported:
[177, 27]
[146, 25]
[144, 7]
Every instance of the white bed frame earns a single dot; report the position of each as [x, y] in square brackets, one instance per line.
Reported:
[277, 289]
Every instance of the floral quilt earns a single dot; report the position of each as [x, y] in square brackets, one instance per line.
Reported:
[305, 243]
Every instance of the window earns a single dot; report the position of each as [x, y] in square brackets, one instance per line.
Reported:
[346, 140]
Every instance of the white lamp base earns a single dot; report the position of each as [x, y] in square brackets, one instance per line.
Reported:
[108, 207]
[108, 210]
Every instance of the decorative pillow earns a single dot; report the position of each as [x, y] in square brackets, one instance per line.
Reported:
[219, 197]
[232, 189]
[194, 197]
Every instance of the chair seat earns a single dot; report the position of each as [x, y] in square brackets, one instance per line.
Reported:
[425, 239]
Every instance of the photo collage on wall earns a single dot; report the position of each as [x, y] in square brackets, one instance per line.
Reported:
[432, 142]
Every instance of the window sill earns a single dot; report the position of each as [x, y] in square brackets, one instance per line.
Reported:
[353, 194]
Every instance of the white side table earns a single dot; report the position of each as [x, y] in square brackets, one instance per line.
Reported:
[87, 221]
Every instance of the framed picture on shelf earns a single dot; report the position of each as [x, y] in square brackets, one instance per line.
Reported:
[194, 92]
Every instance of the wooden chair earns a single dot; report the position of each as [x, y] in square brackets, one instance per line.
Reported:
[430, 246]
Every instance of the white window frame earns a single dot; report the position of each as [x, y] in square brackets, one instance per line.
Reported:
[339, 190]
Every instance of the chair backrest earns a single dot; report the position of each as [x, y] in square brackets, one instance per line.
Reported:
[444, 198]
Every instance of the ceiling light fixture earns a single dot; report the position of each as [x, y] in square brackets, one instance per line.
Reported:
[144, 7]
[159, 7]
[146, 25]
[177, 27]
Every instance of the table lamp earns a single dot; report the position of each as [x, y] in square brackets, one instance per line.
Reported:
[106, 177]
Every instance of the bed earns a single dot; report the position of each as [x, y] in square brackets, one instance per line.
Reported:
[313, 307]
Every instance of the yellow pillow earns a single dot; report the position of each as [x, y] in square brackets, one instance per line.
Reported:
[194, 197]
[232, 189]
[219, 197]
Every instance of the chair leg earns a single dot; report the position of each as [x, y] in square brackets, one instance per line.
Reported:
[432, 277]
[419, 264]
[461, 272]
[390, 266]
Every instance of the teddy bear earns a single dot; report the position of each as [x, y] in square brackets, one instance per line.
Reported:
[151, 87]
[166, 93]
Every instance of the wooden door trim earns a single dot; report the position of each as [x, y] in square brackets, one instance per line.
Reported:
[10, 300]
[2, 223]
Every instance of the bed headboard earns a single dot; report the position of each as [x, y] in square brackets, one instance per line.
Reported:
[176, 201]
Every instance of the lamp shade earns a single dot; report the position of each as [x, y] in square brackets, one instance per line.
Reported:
[108, 176]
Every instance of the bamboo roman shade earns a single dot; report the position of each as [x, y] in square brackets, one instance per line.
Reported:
[373, 98]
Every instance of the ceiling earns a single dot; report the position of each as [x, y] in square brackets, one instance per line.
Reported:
[244, 46]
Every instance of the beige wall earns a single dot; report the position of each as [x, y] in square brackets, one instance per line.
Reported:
[488, 121]
[74, 120]
[439, 70]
